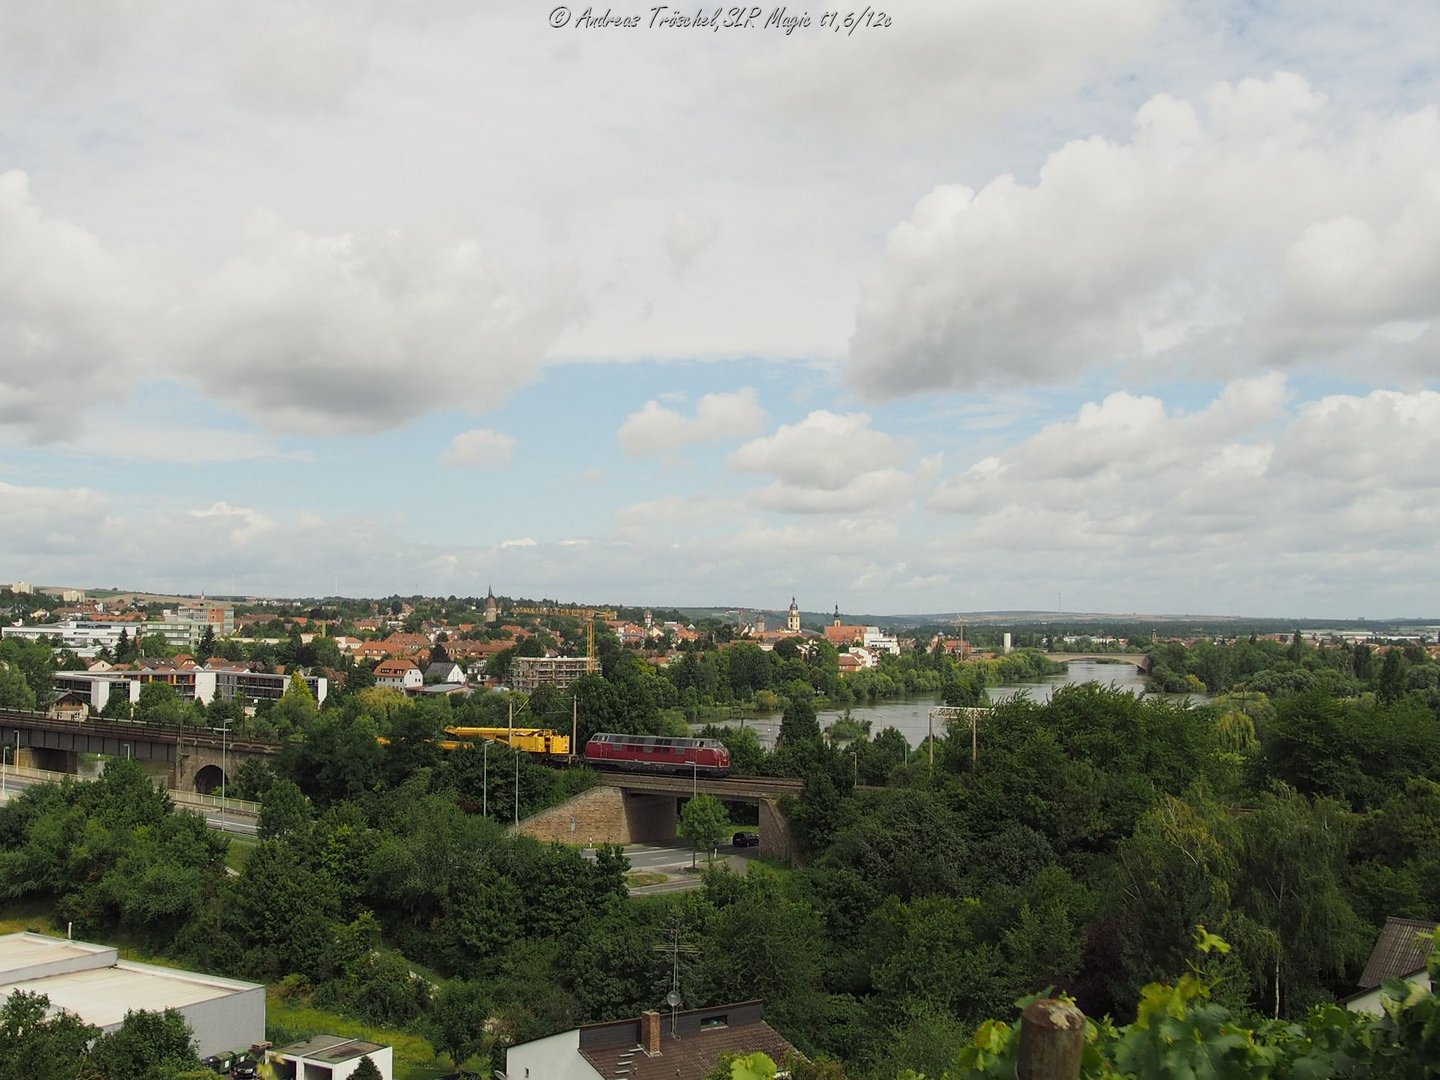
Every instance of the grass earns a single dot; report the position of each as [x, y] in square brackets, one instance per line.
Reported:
[22, 915]
[289, 1020]
[638, 879]
[239, 852]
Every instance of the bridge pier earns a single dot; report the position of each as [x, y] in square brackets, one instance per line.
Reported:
[777, 841]
[607, 815]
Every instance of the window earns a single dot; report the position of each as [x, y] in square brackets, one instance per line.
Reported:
[713, 1023]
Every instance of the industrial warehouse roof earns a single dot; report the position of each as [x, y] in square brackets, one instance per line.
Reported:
[92, 983]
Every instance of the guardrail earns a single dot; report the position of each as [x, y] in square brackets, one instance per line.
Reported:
[183, 798]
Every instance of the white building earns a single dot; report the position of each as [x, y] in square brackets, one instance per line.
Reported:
[93, 983]
[399, 674]
[329, 1057]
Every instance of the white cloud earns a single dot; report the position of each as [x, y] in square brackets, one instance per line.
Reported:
[67, 315]
[480, 448]
[687, 235]
[825, 450]
[831, 463]
[1257, 226]
[362, 333]
[1233, 506]
[941, 64]
[657, 429]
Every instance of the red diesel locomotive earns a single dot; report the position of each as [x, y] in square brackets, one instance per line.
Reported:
[657, 753]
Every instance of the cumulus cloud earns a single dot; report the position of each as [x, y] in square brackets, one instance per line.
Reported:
[355, 333]
[686, 236]
[480, 448]
[825, 450]
[945, 62]
[68, 312]
[656, 429]
[1251, 496]
[831, 463]
[1236, 231]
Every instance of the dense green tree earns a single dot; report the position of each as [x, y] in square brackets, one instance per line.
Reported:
[1306, 934]
[284, 811]
[456, 1021]
[147, 1046]
[15, 692]
[705, 823]
[35, 1045]
[798, 724]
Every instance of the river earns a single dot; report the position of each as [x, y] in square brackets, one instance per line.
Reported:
[911, 716]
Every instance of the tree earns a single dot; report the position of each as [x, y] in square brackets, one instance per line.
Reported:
[149, 1045]
[704, 821]
[161, 704]
[37, 1046]
[798, 723]
[1294, 856]
[456, 1022]
[367, 1070]
[284, 811]
[207, 643]
[15, 692]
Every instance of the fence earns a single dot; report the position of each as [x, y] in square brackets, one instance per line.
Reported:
[181, 798]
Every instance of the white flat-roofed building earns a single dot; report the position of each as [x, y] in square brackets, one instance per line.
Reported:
[329, 1057]
[203, 684]
[91, 981]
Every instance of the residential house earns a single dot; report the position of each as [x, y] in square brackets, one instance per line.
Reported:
[446, 672]
[1399, 953]
[398, 673]
[682, 1046]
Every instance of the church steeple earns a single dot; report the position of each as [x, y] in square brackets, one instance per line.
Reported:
[837, 616]
[492, 606]
[793, 622]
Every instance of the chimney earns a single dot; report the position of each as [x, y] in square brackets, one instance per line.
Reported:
[650, 1032]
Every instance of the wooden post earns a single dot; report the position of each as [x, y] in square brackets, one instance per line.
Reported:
[1052, 1040]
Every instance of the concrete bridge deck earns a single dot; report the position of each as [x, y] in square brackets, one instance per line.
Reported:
[198, 757]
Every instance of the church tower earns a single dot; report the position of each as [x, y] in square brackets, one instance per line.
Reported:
[837, 616]
[492, 608]
[793, 622]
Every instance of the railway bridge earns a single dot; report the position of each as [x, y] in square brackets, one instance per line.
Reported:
[644, 808]
[198, 757]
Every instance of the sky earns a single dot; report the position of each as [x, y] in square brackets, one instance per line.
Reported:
[1094, 306]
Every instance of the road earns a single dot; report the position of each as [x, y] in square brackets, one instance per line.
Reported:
[673, 861]
[236, 821]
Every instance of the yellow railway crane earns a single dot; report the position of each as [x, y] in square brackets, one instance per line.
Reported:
[589, 615]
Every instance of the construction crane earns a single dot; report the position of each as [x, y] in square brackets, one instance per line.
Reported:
[588, 614]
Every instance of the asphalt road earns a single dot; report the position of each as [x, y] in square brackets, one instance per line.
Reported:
[234, 822]
[674, 862]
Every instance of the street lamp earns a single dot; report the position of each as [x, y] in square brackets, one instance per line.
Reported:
[4, 754]
[224, 731]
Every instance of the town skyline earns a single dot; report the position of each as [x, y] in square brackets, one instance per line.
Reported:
[1132, 302]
